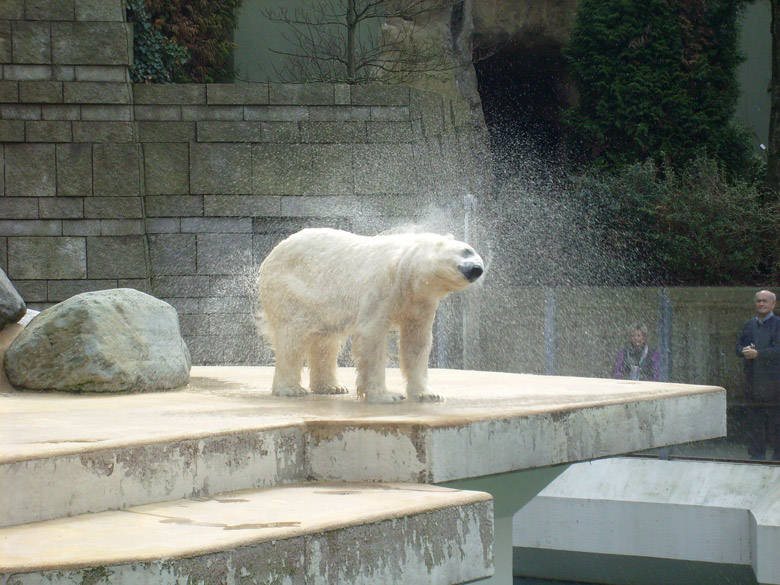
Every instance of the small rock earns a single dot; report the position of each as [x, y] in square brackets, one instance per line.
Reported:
[12, 307]
[119, 340]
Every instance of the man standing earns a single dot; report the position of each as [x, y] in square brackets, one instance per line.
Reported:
[759, 347]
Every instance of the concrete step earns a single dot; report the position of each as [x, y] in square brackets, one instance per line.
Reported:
[68, 454]
[308, 533]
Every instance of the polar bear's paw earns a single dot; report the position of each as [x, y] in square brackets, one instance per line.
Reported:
[290, 391]
[384, 397]
[426, 397]
[330, 389]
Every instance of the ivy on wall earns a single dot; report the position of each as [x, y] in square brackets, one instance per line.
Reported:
[156, 59]
[182, 40]
[205, 28]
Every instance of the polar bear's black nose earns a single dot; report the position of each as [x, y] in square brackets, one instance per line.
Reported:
[472, 271]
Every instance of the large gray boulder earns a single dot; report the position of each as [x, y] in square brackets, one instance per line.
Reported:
[12, 307]
[119, 340]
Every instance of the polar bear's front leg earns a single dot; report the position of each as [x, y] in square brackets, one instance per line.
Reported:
[415, 343]
[369, 348]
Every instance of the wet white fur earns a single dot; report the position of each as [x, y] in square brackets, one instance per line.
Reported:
[321, 285]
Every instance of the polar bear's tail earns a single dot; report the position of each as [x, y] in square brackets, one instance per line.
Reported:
[260, 321]
[261, 325]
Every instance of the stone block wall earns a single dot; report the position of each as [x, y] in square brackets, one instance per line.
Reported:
[62, 40]
[181, 190]
[71, 210]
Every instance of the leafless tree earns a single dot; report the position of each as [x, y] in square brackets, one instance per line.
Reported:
[361, 41]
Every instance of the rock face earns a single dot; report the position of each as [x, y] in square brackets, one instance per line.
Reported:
[12, 307]
[119, 340]
[524, 22]
[474, 29]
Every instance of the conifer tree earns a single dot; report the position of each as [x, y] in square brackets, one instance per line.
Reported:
[773, 158]
[656, 80]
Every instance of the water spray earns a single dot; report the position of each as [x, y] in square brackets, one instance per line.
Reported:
[469, 205]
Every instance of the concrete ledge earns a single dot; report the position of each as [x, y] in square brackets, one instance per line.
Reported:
[706, 513]
[310, 533]
[237, 93]
[170, 93]
[225, 429]
[765, 529]
[112, 479]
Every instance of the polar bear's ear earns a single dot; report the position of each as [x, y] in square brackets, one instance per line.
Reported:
[449, 237]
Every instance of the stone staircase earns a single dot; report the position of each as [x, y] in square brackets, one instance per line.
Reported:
[300, 533]
[125, 489]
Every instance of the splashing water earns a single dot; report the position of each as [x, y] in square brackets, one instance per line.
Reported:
[536, 240]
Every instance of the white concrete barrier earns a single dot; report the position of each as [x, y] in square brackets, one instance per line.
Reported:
[706, 512]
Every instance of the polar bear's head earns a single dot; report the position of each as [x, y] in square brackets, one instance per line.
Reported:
[447, 264]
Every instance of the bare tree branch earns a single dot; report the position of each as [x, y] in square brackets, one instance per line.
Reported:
[342, 41]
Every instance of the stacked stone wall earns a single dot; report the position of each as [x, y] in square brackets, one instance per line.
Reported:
[181, 190]
[71, 211]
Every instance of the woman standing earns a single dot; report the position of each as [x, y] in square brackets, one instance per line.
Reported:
[637, 361]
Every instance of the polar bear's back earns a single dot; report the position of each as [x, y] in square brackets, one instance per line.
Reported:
[323, 255]
[328, 274]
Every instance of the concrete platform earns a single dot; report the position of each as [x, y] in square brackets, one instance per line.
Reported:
[66, 454]
[308, 534]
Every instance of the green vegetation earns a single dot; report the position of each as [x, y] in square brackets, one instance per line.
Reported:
[691, 227]
[667, 177]
[656, 79]
[664, 176]
[183, 41]
[156, 59]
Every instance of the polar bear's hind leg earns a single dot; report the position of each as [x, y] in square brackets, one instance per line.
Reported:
[289, 363]
[323, 357]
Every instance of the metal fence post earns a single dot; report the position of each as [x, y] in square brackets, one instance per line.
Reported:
[665, 316]
[550, 311]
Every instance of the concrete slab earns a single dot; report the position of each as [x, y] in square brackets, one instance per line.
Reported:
[225, 431]
[722, 515]
[316, 533]
[765, 530]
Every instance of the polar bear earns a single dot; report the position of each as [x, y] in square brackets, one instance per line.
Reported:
[320, 286]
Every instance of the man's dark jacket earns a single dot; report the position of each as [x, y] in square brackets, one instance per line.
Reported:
[762, 374]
